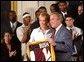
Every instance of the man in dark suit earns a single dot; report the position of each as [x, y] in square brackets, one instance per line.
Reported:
[54, 7]
[62, 38]
[11, 25]
[64, 10]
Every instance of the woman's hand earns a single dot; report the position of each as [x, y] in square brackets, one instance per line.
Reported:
[12, 53]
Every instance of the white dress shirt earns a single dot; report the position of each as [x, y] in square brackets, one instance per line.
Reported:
[13, 24]
[58, 28]
[75, 31]
[38, 35]
[19, 33]
[64, 13]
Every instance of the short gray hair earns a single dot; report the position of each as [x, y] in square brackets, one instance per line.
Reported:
[59, 15]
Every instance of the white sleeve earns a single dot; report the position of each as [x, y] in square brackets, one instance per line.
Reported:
[19, 34]
[79, 31]
[32, 36]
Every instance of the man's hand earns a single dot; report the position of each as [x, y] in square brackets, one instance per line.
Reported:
[52, 41]
[25, 30]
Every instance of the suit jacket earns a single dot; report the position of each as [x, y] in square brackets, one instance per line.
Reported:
[7, 26]
[79, 21]
[78, 41]
[64, 47]
[69, 12]
[64, 40]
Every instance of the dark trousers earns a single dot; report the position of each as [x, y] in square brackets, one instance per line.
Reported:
[63, 56]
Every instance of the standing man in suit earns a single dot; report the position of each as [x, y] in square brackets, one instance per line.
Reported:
[77, 35]
[62, 39]
[54, 7]
[64, 10]
[11, 25]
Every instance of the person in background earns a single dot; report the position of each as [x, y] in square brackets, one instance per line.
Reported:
[11, 25]
[54, 8]
[62, 40]
[23, 34]
[70, 25]
[37, 13]
[63, 7]
[9, 51]
[80, 8]
[72, 6]
[42, 9]
[64, 10]
[75, 32]
[35, 24]
[79, 19]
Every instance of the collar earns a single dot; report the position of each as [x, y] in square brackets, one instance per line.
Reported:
[15, 23]
[24, 25]
[64, 12]
[58, 27]
[70, 27]
[39, 30]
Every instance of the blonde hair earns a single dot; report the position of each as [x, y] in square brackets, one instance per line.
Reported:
[46, 15]
[58, 14]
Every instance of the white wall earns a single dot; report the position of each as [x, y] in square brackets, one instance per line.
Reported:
[31, 7]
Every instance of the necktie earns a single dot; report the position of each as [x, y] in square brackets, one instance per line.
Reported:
[53, 34]
[13, 27]
[71, 31]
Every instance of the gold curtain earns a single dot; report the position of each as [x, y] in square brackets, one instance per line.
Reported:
[14, 6]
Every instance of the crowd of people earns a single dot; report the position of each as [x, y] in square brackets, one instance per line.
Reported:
[63, 29]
